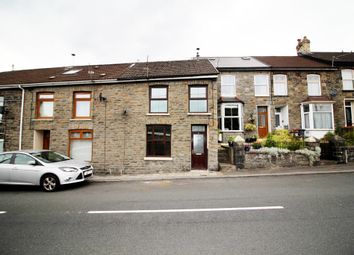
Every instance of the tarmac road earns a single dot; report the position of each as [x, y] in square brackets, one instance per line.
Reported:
[311, 214]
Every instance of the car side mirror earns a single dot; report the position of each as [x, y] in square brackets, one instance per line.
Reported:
[32, 163]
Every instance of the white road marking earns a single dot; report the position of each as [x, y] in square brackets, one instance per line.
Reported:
[260, 208]
[2, 212]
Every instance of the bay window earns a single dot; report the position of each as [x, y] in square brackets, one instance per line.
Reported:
[317, 116]
[231, 117]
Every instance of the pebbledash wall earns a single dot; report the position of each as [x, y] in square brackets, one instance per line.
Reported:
[119, 140]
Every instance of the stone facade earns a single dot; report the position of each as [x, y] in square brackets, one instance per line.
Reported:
[297, 93]
[119, 140]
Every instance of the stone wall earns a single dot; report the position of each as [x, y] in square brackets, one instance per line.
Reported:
[254, 159]
[119, 141]
[297, 93]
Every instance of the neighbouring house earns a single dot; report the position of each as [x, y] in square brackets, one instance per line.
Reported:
[343, 92]
[287, 92]
[124, 118]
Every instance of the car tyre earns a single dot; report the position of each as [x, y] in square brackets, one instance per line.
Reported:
[50, 183]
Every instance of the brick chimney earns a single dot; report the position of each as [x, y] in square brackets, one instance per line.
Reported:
[303, 46]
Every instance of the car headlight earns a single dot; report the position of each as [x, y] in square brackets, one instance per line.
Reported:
[68, 169]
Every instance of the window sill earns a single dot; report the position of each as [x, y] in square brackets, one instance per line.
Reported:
[199, 113]
[43, 119]
[232, 131]
[157, 114]
[158, 158]
[80, 119]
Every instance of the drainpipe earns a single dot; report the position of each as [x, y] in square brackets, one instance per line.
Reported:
[21, 118]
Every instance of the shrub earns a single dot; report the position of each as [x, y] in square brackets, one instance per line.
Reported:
[328, 137]
[349, 138]
[256, 145]
[250, 127]
[283, 139]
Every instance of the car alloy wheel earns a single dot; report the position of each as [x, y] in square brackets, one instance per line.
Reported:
[50, 183]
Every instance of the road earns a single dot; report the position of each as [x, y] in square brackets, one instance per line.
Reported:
[288, 215]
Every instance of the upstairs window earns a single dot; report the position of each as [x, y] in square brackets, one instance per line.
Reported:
[348, 79]
[261, 85]
[280, 85]
[158, 99]
[228, 86]
[45, 105]
[82, 105]
[313, 85]
[198, 99]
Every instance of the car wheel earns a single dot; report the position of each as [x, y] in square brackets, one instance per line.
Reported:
[50, 183]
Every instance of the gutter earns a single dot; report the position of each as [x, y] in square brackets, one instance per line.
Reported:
[110, 81]
[21, 117]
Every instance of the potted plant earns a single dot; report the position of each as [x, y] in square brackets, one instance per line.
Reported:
[250, 127]
[231, 140]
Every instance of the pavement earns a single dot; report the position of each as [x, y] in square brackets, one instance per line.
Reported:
[326, 167]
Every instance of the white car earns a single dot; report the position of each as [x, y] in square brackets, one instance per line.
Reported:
[46, 168]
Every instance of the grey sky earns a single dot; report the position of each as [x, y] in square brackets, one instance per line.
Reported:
[42, 33]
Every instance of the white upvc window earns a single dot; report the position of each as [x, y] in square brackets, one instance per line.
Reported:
[349, 113]
[1, 107]
[281, 117]
[280, 85]
[317, 116]
[261, 85]
[313, 85]
[228, 86]
[348, 79]
[231, 117]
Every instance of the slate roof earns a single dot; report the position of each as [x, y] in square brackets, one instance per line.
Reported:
[338, 58]
[291, 62]
[126, 71]
[236, 62]
[168, 69]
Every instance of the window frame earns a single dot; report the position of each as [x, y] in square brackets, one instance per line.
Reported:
[158, 99]
[351, 110]
[82, 100]
[311, 83]
[255, 85]
[81, 131]
[239, 117]
[233, 85]
[38, 104]
[153, 155]
[197, 98]
[352, 79]
[311, 114]
[284, 83]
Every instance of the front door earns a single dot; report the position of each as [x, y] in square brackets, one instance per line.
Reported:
[46, 139]
[199, 147]
[262, 112]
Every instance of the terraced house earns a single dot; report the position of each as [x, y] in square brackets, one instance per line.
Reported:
[124, 118]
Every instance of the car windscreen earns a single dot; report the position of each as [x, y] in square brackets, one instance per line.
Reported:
[49, 156]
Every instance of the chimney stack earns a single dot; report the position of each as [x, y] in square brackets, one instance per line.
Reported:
[303, 46]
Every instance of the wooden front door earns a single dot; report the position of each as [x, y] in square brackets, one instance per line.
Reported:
[46, 139]
[262, 112]
[199, 147]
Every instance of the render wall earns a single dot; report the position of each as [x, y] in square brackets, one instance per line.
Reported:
[119, 141]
